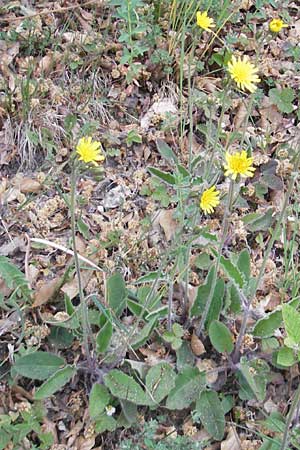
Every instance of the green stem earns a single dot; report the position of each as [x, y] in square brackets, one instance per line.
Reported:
[294, 405]
[224, 232]
[83, 304]
[265, 259]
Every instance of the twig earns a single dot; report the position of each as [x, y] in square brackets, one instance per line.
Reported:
[52, 11]
[66, 250]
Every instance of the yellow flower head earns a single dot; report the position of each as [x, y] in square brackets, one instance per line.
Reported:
[243, 72]
[203, 21]
[238, 164]
[209, 200]
[88, 151]
[276, 25]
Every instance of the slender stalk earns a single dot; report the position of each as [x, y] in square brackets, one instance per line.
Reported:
[225, 225]
[294, 405]
[170, 304]
[278, 226]
[83, 304]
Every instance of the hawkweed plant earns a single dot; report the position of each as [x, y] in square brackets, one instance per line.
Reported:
[88, 152]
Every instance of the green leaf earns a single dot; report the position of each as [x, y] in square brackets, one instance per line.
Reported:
[202, 295]
[167, 177]
[266, 326]
[99, 398]
[184, 357]
[220, 337]
[272, 182]
[38, 365]
[160, 380]
[83, 228]
[286, 357]
[243, 263]
[125, 387]
[259, 222]
[291, 319]
[116, 293]
[177, 330]
[211, 413]
[232, 272]
[55, 382]
[188, 384]
[149, 277]
[104, 336]
[128, 415]
[105, 423]
[14, 278]
[283, 99]
[234, 298]
[255, 373]
[144, 334]
[166, 151]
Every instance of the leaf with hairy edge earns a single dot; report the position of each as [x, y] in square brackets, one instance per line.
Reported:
[38, 365]
[55, 382]
[160, 380]
[220, 337]
[243, 263]
[99, 398]
[211, 413]
[166, 151]
[188, 384]
[125, 387]
[166, 177]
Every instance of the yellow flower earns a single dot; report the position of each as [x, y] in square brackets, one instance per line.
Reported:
[203, 21]
[276, 25]
[243, 72]
[89, 151]
[209, 200]
[238, 164]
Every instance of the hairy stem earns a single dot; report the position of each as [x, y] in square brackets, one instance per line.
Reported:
[225, 225]
[83, 304]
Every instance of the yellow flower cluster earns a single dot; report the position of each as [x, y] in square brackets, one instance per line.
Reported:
[241, 70]
[237, 164]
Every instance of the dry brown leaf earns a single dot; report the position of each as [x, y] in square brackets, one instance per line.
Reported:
[232, 441]
[197, 346]
[28, 185]
[47, 63]
[71, 288]
[208, 366]
[167, 222]
[83, 443]
[240, 115]
[46, 291]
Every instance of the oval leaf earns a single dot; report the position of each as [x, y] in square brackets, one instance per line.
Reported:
[55, 382]
[99, 398]
[187, 385]
[125, 387]
[220, 337]
[160, 380]
[38, 365]
[211, 414]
